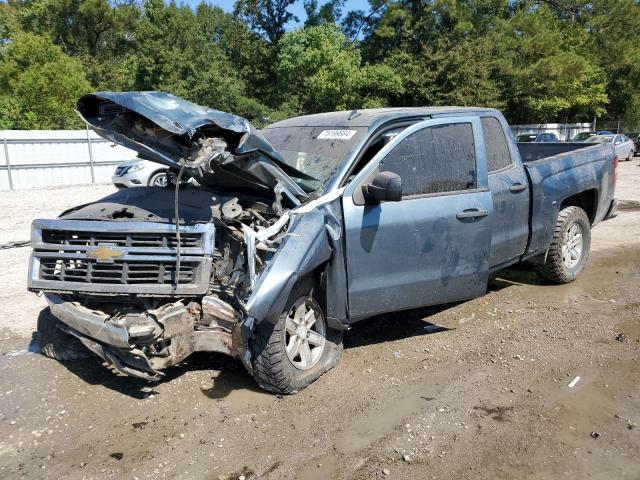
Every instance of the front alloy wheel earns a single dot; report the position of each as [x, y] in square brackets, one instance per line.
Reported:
[305, 333]
[159, 179]
[292, 353]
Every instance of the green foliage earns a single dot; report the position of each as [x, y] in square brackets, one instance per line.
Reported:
[177, 53]
[329, 12]
[267, 17]
[537, 60]
[323, 71]
[39, 84]
[545, 70]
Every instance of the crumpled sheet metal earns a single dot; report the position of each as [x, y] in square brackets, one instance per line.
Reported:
[177, 115]
[305, 246]
[173, 131]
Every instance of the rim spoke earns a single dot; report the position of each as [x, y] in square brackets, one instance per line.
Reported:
[315, 339]
[291, 326]
[577, 240]
[305, 353]
[310, 318]
[300, 313]
[294, 347]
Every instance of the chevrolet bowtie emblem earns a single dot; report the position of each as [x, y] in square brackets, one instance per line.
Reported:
[105, 254]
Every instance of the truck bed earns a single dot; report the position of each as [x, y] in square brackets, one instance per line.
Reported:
[558, 171]
[531, 152]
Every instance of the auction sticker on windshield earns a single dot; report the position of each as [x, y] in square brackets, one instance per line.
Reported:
[336, 134]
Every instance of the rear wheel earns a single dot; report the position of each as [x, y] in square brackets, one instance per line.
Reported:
[159, 179]
[569, 249]
[299, 348]
[54, 343]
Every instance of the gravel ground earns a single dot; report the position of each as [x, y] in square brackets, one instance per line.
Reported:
[485, 395]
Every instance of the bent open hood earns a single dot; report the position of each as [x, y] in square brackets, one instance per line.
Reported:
[177, 133]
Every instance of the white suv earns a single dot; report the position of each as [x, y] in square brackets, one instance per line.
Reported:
[140, 173]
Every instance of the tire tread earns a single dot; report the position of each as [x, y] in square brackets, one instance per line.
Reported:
[553, 270]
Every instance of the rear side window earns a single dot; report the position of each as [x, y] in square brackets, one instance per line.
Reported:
[435, 160]
[498, 156]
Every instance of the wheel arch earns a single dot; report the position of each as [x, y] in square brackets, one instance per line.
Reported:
[305, 251]
[587, 200]
[156, 172]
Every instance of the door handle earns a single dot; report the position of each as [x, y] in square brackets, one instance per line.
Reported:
[517, 187]
[471, 213]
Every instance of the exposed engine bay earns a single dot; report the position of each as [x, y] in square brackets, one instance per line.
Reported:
[170, 323]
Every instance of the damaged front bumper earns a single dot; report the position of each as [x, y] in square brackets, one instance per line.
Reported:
[144, 343]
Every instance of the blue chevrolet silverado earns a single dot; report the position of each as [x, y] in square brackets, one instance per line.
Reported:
[288, 235]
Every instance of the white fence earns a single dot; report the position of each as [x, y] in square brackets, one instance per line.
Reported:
[40, 158]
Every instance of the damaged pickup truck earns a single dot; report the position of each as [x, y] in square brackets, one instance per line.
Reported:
[289, 235]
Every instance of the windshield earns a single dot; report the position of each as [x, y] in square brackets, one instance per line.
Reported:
[601, 139]
[582, 135]
[314, 151]
[526, 137]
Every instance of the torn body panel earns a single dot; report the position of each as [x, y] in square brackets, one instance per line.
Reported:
[143, 342]
[305, 246]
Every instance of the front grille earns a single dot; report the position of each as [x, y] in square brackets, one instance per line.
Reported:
[119, 273]
[121, 239]
[120, 257]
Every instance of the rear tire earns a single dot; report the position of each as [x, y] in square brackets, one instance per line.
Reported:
[280, 367]
[569, 249]
[54, 343]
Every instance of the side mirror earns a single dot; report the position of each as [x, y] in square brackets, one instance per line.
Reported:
[385, 187]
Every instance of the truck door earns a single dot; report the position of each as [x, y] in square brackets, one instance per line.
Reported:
[510, 190]
[432, 246]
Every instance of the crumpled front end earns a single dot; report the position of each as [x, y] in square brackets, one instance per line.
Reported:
[142, 343]
[143, 282]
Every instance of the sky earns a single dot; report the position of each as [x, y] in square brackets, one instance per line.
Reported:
[297, 9]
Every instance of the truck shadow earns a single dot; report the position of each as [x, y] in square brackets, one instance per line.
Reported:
[395, 326]
[518, 274]
[231, 375]
[410, 323]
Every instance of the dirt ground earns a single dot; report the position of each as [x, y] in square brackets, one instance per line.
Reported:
[476, 390]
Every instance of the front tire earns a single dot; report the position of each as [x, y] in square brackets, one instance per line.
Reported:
[290, 355]
[569, 249]
[159, 179]
[56, 344]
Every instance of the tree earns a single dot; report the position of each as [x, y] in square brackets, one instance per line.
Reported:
[178, 54]
[321, 70]
[329, 12]
[614, 37]
[544, 69]
[39, 84]
[267, 17]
